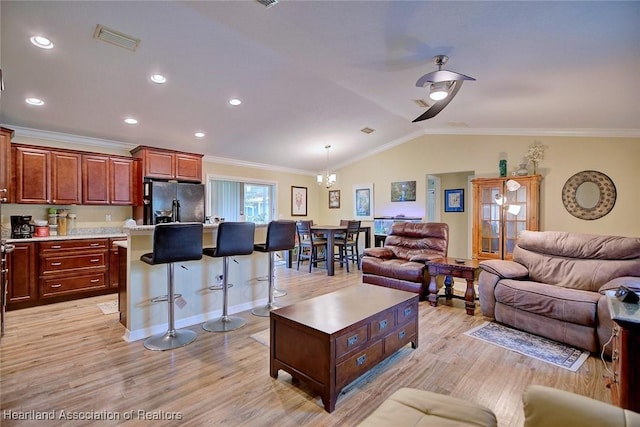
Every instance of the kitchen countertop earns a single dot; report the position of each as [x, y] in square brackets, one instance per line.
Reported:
[79, 234]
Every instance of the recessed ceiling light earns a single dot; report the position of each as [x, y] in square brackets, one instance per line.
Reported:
[235, 101]
[199, 134]
[42, 42]
[130, 121]
[158, 78]
[34, 101]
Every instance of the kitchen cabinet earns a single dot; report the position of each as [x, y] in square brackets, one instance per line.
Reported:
[108, 180]
[69, 267]
[47, 176]
[496, 226]
[22, 277]
[114, 262]
[5, 161]
[168, 164]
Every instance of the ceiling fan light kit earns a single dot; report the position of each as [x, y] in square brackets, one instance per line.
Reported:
[443, 87]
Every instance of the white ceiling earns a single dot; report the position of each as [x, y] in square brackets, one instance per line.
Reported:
[312, 73]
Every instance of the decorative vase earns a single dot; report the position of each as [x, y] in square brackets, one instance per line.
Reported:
[503, 168]
[523, 171]
[535, 168]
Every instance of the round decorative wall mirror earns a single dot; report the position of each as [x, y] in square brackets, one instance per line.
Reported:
[589, 195]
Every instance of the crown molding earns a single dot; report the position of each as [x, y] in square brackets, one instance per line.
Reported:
[263, 166]
[584, 133]
[70, 138]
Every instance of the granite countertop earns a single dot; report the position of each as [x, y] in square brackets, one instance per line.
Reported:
[81, 233]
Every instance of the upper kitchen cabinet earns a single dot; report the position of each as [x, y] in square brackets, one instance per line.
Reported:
[168, 164]
[108, 180]
[46, 176]
[5, 161]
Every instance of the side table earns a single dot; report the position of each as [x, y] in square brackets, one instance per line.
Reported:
[466, 269]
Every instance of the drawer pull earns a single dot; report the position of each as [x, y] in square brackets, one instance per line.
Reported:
[383, 324]
[407, 312]
[55, 264]
[56, 286]
[352, 340]
[95, 260]
[360, 360]
[401, 334]
[95, 244]
[56, 247]
[94, 280]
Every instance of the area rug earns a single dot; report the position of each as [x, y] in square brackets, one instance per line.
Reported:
[530, 345]
[262, 337]
[108, 307]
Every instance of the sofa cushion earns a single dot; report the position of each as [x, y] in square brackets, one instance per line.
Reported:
[401, 269]
[566, 305]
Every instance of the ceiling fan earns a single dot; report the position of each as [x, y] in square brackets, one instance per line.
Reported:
[443, 86]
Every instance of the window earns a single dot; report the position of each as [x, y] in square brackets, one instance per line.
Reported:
[240, 200]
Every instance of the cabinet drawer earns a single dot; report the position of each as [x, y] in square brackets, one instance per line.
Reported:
[383, 323]
[56, 264]
[351, 340]
[358, 364]
[69, 245]
[407, 312]
[399, 338]
[54, 286]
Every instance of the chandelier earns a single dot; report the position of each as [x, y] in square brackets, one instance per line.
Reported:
[329, 178]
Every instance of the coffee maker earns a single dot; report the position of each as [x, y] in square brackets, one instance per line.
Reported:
[21, 227]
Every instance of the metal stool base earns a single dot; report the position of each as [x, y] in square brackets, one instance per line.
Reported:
[277, 293]
[170, 340]
[264, 311]
[224, 324]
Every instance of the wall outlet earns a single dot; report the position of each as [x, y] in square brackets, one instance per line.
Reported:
[107, 217]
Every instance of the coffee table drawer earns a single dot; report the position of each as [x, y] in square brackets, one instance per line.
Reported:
[382, 323]
[407, 311]
[399, 338]
[358, 364]
[351, 340]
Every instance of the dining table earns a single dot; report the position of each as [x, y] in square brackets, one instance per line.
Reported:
[330, 231]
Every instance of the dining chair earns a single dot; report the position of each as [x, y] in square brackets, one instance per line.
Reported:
[347, 245]
[309, 245]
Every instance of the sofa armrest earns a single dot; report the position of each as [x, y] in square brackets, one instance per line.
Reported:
[505, 269]
[383, 252]
[548, 407]
[630, 282]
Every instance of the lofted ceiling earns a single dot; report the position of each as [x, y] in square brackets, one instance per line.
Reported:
[312, 73]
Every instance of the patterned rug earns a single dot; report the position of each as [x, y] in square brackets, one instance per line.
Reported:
[530, 345]
[108, 307]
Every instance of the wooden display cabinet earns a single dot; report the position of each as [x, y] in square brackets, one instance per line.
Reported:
[496, 227]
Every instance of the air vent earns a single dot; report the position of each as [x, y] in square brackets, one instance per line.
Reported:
[267, 3]
[367, 130]
[116, 38]
[421, 103]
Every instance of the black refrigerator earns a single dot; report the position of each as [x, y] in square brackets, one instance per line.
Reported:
[173, 202]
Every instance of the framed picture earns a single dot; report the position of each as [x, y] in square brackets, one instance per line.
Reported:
[363, 202]
[298, 201]
[403, 191]
[334, 199]
[454, 200]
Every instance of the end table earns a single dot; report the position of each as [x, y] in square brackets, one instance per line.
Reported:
[455, 267]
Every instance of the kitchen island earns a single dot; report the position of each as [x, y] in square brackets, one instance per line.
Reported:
[142, 282]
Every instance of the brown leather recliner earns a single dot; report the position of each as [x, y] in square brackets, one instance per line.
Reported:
[401, 262]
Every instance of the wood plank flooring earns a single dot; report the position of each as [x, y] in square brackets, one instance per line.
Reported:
[70, 357]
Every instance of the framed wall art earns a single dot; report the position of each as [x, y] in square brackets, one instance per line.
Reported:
[403, 191]
[298, 201]
[363, 202]
[454, 200]
[334, 199]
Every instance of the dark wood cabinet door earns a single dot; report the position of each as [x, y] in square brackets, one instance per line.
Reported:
[121, 181]
[32, 175]
[5, 162]
[66, 178]
[159, 164]
[22, 273]
[95, 180]
[114, 263]
[188, 167]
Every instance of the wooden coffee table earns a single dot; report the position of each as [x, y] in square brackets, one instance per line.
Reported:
[330, 340]
[466, 269]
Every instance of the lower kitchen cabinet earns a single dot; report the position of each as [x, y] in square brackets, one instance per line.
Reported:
[114, 263]
[22, 276]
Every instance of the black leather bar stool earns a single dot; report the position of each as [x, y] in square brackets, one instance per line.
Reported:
[281, 236]
[234, 238]
[176, 242]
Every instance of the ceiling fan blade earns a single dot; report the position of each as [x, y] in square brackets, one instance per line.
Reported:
[441, 76]
[439, 106]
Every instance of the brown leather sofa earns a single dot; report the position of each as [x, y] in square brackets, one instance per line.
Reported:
[554, 286]
[401, 262]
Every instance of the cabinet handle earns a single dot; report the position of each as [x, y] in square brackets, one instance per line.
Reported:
[94, 280]
[360, 360]
[55, 264]
[56, 286]
[401, 334]
[352, 340]
[407, 312]
[56, 247]
[383, 324]
[95, 244]
[95, 260]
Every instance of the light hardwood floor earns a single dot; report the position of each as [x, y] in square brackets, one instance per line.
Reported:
[71, 357]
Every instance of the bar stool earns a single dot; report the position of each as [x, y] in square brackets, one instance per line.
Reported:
[234, 238]
[173, 243]
[281, 236]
